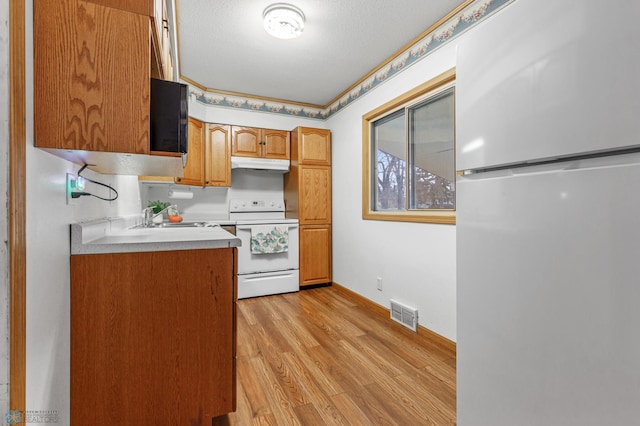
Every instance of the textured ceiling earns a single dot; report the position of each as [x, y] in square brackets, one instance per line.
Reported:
[223, 46]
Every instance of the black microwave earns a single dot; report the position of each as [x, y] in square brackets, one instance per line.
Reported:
[169, 116]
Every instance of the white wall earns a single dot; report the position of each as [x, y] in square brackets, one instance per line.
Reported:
[416, 261]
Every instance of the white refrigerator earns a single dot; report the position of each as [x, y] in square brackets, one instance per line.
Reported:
[548, 215]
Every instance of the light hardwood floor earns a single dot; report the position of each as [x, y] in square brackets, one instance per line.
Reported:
[319, 357]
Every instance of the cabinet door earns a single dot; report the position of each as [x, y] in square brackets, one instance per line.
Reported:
[143, 7]
[91, 77]
[315, 195]
[315, 254]
[245, 141]
[194, 170]
[218, 155]
[314, 146]
[276, 144]
[146, 334]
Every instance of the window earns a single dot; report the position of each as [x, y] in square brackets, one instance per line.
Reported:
[409, 155]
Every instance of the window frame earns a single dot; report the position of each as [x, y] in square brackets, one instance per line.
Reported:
[406, 99]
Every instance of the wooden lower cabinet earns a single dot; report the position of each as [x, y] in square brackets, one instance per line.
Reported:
[315, 254]
[153, 337]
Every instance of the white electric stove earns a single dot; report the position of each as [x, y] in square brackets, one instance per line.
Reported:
[268, 258]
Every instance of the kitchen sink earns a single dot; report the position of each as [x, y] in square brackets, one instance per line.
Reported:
[169, 225]
[184, 225]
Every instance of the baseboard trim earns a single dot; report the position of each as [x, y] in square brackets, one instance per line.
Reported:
[383, 312]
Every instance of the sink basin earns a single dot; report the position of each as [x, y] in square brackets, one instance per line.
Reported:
[170, 225]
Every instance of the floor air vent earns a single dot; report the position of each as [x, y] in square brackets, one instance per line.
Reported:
[404, 315]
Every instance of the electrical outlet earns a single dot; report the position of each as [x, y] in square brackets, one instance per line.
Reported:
[69, 187]
[379, 283]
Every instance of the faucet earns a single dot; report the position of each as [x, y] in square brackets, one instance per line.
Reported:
[147, 214]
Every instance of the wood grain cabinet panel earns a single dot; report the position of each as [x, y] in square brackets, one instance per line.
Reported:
[315, 195]
[194, 170]
[142, 7]
[153, 337]
[276, 144]
[313, 146]
[262, 143]
[315, 254]
[307, 197]
[91, 77]
[245, 141]
[218, 155]
[209, 156]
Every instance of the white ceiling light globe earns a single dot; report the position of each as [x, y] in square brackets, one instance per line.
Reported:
[283, 20]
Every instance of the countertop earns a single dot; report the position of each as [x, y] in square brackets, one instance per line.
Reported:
[116, 235]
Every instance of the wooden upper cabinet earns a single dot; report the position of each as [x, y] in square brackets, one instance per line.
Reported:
[311, 146]
[91, 77]
[218, 155]
[161, 60]
[142, 7]
[265, 143]
[245, 141]
[194, 171]
[276, 144]
[209, 156]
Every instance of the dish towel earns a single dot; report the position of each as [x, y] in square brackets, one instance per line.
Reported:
[266, 239]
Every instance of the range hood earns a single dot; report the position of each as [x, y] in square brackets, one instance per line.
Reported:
[267, 164]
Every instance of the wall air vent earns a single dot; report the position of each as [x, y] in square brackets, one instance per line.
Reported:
[404, 315]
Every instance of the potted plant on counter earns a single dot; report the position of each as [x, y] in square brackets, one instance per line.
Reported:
[157, 207]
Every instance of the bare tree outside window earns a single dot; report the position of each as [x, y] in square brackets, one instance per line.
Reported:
[391, 185]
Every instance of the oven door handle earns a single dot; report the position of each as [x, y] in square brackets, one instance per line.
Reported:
[248, 227]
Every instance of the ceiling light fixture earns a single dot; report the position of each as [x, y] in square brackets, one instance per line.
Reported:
[283, 20]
